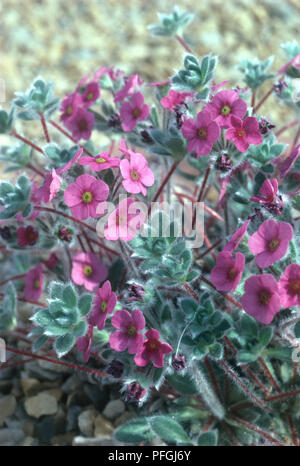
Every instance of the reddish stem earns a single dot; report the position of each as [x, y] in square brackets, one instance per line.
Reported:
[256, 429]
[57, 361]
[35, 170]
[210, 249]
[282, 395]
[65, 133]
[15, 277]
[284, 128]
[26, 141]
[201, 193]
[163, 184]
[208, 424]
[45, 129]
[292, 428]
[213, 377]
[225, 296]
[269, 375]
[183, 44]
[59, 212]
[262, 101]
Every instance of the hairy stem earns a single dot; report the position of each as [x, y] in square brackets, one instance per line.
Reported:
[207, 394]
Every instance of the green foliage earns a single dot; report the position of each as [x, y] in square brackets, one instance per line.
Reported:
[15, 198]
[64, 318]
[8, 308]
[171, 24]
[196, 75]
[169, 143]
[16, 157]
[6, 120]
[255, 71]
[208, 439]
[59, 156]
[261, 155]
[38, 99]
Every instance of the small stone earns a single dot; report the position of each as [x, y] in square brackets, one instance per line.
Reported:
[10, 437]
[40, 405]
[30, 386]
[63, 440]
[93, 442]
[126, 416]
[86, 422]
[103, 428]
[114, 409]
[28, 428]
[8, 405]
[56, 392]
[71, 384]
[28, 442]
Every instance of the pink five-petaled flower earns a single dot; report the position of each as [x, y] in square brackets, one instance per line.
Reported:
[69, 106]
[124, 221]
[84, 195]
[201, 134]
[104, 303]
[268, 191]
[34, 283]
[244, 133]
[133, 111]
[136, 174]
[100, 162]
[237, 237]
[225, 104]
[27, 236]
[49, 189]
[174, 98]
[81, 124]
[128, 335]
[270, 243]
[289, 286]
[88, 271]
[152, 350]
[129, 87]
[228, 270]
[84, 343]
[91, 94]
[261, 299]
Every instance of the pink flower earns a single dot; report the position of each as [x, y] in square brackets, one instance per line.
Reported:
[50, 187]
[215, 87]
[81, 124]
[270, 243]
[84, 343]
[174, 98]
[69, 106]
[244, 133]
[27, 236]
[124, 221]
[227, 273]
[129, 87]
[133, 111]
[289, 161]
[268, 192]
[261, 299]
[152, 350]
[129, 335]
[101, 162]
[237, 237]
[289, 286]
[201, 134]
[88, 271]
[104, 303]
[91, 94]
[225, 104]
[136, 174]
[159, 83]
[295, 62]
[84, 195]
[34, 283]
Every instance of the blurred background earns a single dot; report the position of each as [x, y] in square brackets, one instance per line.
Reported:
[62, 40]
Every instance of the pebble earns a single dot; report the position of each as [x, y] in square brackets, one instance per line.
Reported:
[86, 422]
[40, 405]
[8, 405]
[103, 428]
[114, 409]
[10, 437]
[30, 386]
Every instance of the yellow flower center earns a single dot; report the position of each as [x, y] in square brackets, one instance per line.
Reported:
[232, 273]
[69, 110]
[240, 133]
[225, 110]
[103, 306]
[136, 112]
[294, 287]
[87, 197]
[202, 133]
[100, 160]
[264, 297]
[134, 175]
[131, 331]
[273, 245]
[36, 283]
[90, 96]
[87, 269]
